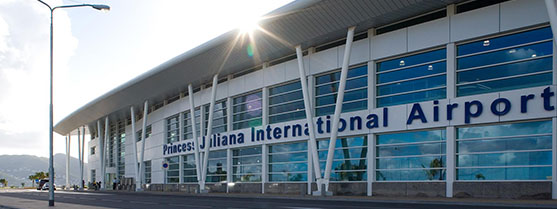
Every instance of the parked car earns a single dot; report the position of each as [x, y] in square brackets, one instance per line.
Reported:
[46, 186]
[41, 183]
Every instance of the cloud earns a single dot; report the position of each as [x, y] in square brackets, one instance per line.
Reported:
[24, 72]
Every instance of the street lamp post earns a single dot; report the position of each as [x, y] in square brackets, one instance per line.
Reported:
[51, 126]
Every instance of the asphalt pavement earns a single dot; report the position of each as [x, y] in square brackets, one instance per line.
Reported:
[11, 199]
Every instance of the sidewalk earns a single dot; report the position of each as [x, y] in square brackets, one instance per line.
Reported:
[24, 203]
[526, 203]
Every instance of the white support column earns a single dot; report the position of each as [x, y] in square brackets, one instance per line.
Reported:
[551, 6]
[79, 156]
[229, 169]
[451, 160]
[264, 166]
[101, 150]
[451, 71]
[554, 160]
[338, 106]
[143, 134]
[134, 146]
[68, 139]
[209, 132]
[195, 139]
[370, 163]
[371, 78]
[310, 169]
[309, 118]
[106, 137]
[82, 160]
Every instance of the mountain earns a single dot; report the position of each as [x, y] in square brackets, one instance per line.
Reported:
[17, 168]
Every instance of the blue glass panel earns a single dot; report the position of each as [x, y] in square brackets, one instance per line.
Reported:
[414, 72]
[345, 153]
[518, 53]
[247, 169]
[344, 142]
[219, 178]
[299, 105]
[492, 145]
[246, 151]
[505, 41]
[347, 107]
[505, 84]
[292, 147]
[246, 160]
[424, 83]
[348, 96]
[247, 124]
[285, 97]
[288, 177]
[285, 88]
[250, 97]
[505, 159]
[288, 167]
[247, 115]
[350, 84]
[354, 72]
[410, 137]
[190, 179]
[412, 60]
[341, 165]
[249, 106]
[412, 97]
[217, 154]
[288, 157]
[411, 162]
[505, 70]
[535, 173]
[410, 175]
[287, 117]
[247, 178]
[417, 149]
[512, 129]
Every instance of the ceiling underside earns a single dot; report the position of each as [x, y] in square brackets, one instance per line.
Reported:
[303, 22]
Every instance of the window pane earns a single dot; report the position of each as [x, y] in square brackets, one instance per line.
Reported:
[412, 85]
[413, 72]
[505, 41]
[412, 60]
[513, 69]
[412, 97]
[535, 50]
[356, 89]
[506, 84]
[533, 173]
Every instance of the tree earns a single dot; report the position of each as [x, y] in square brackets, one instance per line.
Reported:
[22, 185]
[4, 182]
[32, 178]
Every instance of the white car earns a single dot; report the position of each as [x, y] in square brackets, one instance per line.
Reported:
[46, 185]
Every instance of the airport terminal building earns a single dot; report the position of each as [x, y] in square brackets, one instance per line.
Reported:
[420, 97]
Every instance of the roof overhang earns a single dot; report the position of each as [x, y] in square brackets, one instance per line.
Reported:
[303, 22]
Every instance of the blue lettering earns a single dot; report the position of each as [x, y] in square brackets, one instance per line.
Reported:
[467, 110]
[373, 121]
[506, 109]
[547, 94]
[416, 108]
[524, 102]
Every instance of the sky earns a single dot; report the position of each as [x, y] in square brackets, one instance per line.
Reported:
[94, 52]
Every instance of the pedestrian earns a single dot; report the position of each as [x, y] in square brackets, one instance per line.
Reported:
[114, 183]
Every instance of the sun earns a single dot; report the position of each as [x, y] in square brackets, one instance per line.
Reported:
[249, 26]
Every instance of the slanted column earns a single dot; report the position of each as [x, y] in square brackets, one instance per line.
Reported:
[338, 106]
[195, 139]
[143, 134]
[82, 160]
[106, 127]
[79, 155]
[551, 6]
[451, 160]
[68, 161]
[134, 146]
[309, 119]
[209, 133]
[101, 151]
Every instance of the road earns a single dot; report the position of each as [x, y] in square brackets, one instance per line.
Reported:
[146, 200]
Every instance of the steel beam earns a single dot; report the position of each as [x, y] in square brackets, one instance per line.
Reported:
[195, 139]
[209, 132]
[338, 106]
[134, 146]
[309, 118]
[143, 134]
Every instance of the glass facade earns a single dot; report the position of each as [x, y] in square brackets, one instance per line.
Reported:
[216, 169]
[355, 93]
[173, 172]
[247, 111]
[288, 162]
[172, 129]
[505, 62]
[188, 131]
[219, 117]
[516, 151]
[286, 102]
[411, 156]
[246, 164]
[147, 166]
[349, 159]
[414, 78]
[188, 168]
[147, 134]
[121, 149]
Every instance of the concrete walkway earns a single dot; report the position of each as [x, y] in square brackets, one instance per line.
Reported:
[527, 203]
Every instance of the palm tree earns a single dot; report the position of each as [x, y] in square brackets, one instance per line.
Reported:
[32, 178]
[4, 182]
